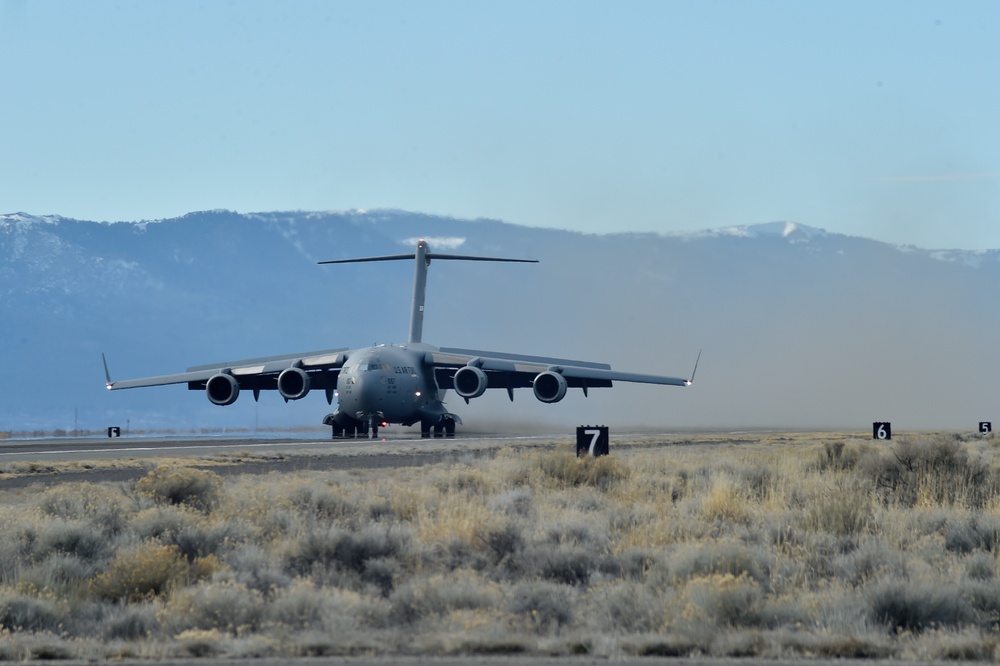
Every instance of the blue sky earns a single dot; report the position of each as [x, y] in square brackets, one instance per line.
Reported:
[877, 119]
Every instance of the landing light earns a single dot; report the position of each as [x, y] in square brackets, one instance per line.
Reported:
[416, 394]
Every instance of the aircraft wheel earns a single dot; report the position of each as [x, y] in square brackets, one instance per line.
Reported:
[438, 430]
[425, 428]
[449, 427]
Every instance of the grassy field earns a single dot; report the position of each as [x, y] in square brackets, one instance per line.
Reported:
[776, 546]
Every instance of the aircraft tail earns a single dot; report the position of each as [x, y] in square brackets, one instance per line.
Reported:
[422, 259]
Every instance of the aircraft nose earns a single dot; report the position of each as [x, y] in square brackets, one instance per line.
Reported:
[369, 389]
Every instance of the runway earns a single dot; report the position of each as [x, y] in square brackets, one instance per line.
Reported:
[100, 459]
[95, 459]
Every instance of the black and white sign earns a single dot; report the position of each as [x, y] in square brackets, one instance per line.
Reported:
[114, 431]
[881, 430]
[985, 427]
[593, 440]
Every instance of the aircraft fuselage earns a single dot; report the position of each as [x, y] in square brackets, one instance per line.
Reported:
[390, 384]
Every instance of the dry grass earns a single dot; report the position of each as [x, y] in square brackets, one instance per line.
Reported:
[776, 546]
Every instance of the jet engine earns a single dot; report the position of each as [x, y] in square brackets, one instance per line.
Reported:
[549, 386]
[293, 383]
[470, 382]
[222, 389]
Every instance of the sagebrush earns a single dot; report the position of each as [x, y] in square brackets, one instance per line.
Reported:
[798, 546]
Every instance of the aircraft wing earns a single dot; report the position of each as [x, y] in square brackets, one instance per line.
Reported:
[510, 371]
[255, 373]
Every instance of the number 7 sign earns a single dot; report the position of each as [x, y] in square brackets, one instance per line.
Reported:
[593, 440]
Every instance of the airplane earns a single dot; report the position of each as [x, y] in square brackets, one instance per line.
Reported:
[405, 383]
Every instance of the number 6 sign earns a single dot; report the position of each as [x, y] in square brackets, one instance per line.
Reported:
[881, 430]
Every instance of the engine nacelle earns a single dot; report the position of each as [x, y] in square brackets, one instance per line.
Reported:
[549, 386]
[293, 383]
[222, 389]
[470, 382]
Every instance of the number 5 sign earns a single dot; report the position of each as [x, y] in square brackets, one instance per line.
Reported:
[881, 430]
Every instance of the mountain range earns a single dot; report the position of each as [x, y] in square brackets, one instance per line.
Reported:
[801, 328]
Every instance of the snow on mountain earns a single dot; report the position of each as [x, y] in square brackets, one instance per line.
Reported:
[793, 231]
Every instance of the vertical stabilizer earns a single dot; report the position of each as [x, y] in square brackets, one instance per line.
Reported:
[422, 259]
[421, 262]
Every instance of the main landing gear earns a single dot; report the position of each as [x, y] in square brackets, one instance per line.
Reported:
[444, 427]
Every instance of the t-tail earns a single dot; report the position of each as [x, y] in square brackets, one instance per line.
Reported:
[422, 259]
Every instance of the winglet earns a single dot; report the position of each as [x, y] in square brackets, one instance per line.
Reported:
[693, 372]
[107, 374]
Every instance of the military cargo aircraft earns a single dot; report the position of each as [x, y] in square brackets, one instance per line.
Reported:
[404, 384]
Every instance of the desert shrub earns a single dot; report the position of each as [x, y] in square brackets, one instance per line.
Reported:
[464, 479]
[501, 542]
[975, 533]
[932, 471]
[306, 608]
[543, 606]
[838, 646]
[155, 522]
[627, 608]
[663, 646]
[203, 540]
[21, 612]
[838, 457]
[981, 567]
[58, 573]
[968, 645]
[566, 470]
[516, 502]
[908, 606]
[227, 607]
[140, 574]
[301, 606]
[870, 561]
[131, 621]
[846, 511]
[192, 487]
[725, 599]
[381, 573]
[102, 507]
[719, 559]
[724, 500]
[381, 510]
[440, 595]
[254, 568]
[321, 503]
[758, 481]
[568, 565]
[70, 538]
[984, 597]
[590, 533]
[635, 563]
[347, 551]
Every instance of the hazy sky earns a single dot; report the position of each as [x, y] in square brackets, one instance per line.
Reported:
[878, 119]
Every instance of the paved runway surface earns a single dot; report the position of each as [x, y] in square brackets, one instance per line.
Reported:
[58, 460]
